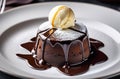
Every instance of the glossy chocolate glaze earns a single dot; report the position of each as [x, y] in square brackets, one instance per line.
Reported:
[96, 55]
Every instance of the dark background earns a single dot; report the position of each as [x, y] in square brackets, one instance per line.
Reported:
[114, 4]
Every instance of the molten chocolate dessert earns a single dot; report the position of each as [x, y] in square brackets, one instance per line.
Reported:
[60, 47]
[62, 43]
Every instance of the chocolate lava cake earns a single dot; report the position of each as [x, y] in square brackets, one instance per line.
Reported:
[60, 47]
[63, 43]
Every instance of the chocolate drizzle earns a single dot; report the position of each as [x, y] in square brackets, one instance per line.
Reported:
[96, 55]
[44, 44]
[37, 41]
[77, 31]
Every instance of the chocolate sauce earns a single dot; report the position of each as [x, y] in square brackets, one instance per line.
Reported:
[28, 45]
[77, 31]
[44, 44]
[95, 57]
[33, 39]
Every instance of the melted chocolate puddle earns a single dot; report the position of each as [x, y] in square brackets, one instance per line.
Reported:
[29, 45]
[97, 56]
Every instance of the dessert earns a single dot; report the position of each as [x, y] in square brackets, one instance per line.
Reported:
[61, 42]
[60, 47]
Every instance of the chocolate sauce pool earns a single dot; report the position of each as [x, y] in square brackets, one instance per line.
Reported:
[95, 57]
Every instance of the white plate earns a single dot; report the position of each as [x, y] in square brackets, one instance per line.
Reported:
[20, 24]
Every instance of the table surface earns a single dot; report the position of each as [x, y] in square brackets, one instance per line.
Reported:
[114, 4]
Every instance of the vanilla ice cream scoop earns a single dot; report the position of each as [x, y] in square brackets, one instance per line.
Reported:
[62, 17]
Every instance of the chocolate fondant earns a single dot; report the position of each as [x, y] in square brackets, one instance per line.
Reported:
[63, 43]
[59, 52]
